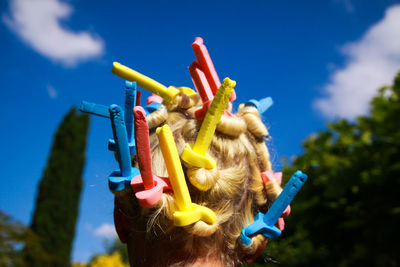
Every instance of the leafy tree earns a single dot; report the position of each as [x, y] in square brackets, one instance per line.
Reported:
[116, 247]
[103, 260]
[113, 260]
[348, 212]
[59, 192]
[13, 236]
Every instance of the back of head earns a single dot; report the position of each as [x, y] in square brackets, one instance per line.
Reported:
[201, 199]
[234, 191]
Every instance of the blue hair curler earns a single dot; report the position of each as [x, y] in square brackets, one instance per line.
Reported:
[261, 105]
[150, 108]
[120, 179]
[103, 111]
[130, 102]
[265, 223]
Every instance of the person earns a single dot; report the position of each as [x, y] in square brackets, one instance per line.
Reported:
[235, 190]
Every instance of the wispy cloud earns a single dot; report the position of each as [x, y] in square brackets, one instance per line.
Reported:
[347, 4]
[51, 91]
[372, 62]
[37, 23]
[106, 230]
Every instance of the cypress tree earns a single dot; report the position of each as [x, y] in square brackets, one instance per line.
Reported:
[57, 200]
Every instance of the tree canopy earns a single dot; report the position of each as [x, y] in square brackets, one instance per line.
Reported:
[348, 212]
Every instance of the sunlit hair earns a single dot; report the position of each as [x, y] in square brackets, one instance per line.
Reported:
[234, 190]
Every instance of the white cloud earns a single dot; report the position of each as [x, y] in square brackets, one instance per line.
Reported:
[106, 230]
[37, 23]
[51, 91]
[372, 62]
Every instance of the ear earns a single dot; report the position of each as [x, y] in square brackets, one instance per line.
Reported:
[121, 223]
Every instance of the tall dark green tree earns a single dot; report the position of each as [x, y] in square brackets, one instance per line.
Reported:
[58, 196]
[348, 212]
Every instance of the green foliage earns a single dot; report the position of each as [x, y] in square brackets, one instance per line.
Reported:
[13, 236]
[118, 247]
[348, 212]
[59, 192]
[107, 260]
[113, 248]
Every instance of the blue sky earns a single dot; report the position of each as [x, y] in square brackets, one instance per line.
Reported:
[318, 60]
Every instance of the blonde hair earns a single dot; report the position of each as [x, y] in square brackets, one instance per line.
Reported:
[234, 190]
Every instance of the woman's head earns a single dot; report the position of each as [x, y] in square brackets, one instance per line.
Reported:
[234, 191]
[231, 189]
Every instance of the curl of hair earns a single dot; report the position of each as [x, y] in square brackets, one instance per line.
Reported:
[157, 117]
[183, 101]
[254, 125]
[231, 126]
[256, 242]
[273, 190]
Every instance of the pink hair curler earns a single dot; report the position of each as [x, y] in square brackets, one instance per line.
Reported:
[154, 99]
[148, 187]
[203, 89]
[269, 176]
[207, 66]
[138, 94]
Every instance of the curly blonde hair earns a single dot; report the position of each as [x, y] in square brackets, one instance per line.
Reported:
[234, 190]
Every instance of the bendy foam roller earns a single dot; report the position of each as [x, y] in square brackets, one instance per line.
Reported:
[207, 66]
[103, 111]
[94, 109]
[187, 212]
[204, 90]
[261, 105]
[130, 102]
[196, 155]
[147, 186]
[120, 179]
[168, 94]
[265, 223]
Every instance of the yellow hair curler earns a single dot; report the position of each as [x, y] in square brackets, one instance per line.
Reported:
[196, 155]
[168, 94]
[187, 212]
